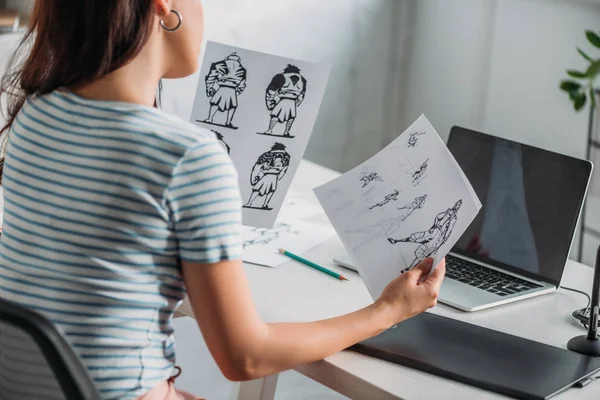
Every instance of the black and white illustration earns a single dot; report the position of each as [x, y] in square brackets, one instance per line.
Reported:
[413, 138]
[262, 236]
[225, 81]
[261, 246]
[432, 239]
[418, 205]
[268, 170]
[419, 173]
[393, 196]
[283, 96]
[407, 210]
[367, 179]
[366, 234]
[234, 88]
[222, 142]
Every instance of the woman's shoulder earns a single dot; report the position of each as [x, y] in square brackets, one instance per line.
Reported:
[154, 125]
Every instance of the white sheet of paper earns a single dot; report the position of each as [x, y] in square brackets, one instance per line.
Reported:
[261, 246]
[408, 202]
[295, 206]
[263, 109]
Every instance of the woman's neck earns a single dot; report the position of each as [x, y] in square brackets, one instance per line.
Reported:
[135, 82]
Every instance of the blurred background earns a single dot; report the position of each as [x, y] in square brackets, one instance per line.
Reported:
[488, 65]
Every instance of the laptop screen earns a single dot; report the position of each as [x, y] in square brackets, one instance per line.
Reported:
[531, 203]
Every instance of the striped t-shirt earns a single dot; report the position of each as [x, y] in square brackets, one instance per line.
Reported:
[102, 200]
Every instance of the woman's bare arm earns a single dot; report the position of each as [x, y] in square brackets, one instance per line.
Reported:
[246, 348]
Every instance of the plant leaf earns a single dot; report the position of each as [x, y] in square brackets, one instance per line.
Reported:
[579, 101]
[593, 70]
[570, 86]
[576, 74]
[584, 55]
[593, 97]
[593, 38]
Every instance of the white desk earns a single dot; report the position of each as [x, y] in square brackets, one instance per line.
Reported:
[294, 292]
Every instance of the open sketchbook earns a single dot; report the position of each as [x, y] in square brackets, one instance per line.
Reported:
[408, 202]
[262, 109]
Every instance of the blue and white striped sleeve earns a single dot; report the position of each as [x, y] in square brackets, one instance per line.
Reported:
[206, 206]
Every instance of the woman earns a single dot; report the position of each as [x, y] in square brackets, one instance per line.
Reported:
[113, 209]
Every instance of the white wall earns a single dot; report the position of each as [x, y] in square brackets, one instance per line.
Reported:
[359, 38]
[496, 65]
[449, 62]
[534, 43]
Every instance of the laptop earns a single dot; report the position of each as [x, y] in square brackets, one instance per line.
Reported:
[519, 244]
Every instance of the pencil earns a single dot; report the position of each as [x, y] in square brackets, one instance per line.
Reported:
[313, 265]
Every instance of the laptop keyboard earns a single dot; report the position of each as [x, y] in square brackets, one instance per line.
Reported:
[486, 279]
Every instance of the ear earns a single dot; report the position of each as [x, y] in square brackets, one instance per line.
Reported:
[163, 7]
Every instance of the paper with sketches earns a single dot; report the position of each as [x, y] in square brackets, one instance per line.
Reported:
[408, 202]
[261, 246]
[262, 108]
[296, 207]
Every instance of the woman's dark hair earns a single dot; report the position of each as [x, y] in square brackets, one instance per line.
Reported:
[70, 43]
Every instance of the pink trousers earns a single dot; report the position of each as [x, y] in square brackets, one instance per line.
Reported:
[166, 391]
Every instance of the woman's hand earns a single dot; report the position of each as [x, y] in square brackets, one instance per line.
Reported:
[413, 292]
[246, 348]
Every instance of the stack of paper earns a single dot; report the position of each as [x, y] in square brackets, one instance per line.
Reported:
[408, 202]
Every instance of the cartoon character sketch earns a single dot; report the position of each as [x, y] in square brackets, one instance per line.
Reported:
[413, 138]
[284, 95]
[269, 169]
[222, 142]
[367, 178]
[225, 81]
[408, 209]
[388, 197]
[266, 236]
[420, 173]
[432, 239]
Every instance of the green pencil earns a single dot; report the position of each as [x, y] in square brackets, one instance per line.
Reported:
[313, 265]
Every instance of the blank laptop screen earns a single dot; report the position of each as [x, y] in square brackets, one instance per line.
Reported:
[531, 203]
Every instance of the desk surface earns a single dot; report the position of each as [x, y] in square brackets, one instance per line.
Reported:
[293, 292]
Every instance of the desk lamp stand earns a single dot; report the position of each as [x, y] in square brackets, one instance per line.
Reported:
[589, 344]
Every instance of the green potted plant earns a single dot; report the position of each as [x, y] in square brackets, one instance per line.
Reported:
[582, 84]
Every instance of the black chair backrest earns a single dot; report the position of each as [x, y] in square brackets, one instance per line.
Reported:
[36, 362]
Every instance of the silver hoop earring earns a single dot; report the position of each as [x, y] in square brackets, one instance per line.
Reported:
[162, 23]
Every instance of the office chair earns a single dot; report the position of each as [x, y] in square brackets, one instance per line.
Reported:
[36, 361]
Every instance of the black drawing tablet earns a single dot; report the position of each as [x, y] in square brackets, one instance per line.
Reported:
[480, 357]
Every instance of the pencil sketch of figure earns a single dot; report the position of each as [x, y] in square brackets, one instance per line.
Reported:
[284, 95]
[381, 229]
[369, 177]
[432, 239]
[225, 81]
[413, 138]
[264, 236]
[407, 210]
[388, 197]
[420, 173]
[222, 142]
[269, 169]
